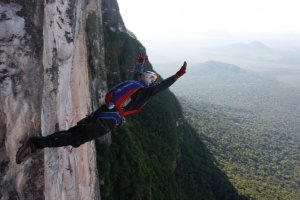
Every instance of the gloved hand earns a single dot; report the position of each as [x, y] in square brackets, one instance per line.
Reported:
[182, 70]
[141, 58]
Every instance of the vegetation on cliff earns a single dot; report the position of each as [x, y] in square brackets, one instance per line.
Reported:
[156, 154]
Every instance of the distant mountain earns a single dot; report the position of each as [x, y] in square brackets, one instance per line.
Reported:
[228, 84]
[255, 46]
[215, 67]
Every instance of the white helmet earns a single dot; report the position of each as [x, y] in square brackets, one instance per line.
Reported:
[148, 77]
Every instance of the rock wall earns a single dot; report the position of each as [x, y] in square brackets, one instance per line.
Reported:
[112, 18]
[21, 85]
[52, 74]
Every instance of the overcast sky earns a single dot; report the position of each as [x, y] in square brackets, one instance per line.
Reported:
[161, 19]
[172, 30]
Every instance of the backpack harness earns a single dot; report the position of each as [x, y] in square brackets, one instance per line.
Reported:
[110, 115]
[117, 97]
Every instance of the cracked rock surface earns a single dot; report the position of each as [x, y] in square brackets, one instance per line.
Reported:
[46, 85]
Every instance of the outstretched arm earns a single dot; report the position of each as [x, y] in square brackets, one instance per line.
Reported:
[142, 96]
[169, 81]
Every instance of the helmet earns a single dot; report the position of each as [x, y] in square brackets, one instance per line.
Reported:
[149, 78]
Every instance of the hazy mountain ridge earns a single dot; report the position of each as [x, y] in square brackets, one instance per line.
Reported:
[228, 84]
[255, 46]
[254, 53]
[215, 67]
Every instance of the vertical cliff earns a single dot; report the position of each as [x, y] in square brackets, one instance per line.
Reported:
[21, 83]
[52, 74]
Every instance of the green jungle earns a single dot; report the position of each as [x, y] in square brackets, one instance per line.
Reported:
[250, 122]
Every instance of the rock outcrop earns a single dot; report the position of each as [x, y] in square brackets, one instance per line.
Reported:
[111, 16]
[52, 74]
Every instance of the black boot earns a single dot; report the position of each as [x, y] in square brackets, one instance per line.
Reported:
[25, 151]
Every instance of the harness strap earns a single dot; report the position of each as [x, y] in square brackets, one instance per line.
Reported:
[110, 115]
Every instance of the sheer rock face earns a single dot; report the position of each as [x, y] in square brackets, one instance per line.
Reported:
[111, 16]
[21, 85]
[52, 74]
